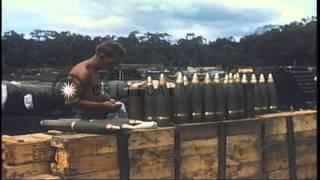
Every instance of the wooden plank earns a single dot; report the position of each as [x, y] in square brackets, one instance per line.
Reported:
[141, 139]
[306, 152]
[203, 131]
[243, 127]
[198, 147]
[111, 174]
[202, 166]
[275, 126]
[29, 148]
[22, 171]
[90, 144]
[243, 141]
[156, 171]
[304, 122]
[151, 156]
[44, 177]
[285, 114]
[303, 136]
[307, 171]
[246, 170]
[276, 157]
[222, 146]
[279, 174]
[68, 166]
[238, 156]
[275, 139]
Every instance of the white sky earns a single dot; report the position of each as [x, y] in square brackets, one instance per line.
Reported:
[209, 18]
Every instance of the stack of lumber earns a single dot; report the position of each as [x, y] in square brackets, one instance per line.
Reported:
[24, 156]
[93, 156]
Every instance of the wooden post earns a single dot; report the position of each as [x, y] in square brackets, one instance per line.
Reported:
[222, 151]
[291, 148]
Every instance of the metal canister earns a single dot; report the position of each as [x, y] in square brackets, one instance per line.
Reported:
[188, 97]
[209, 99]
[272, 94]
[232, 99]
[135, 103]
[180, 102]
[240, 95]
[149, 101]
[263, 94]
[80, 126]
[248, 92]
[196, 99]
[220, 98]
[257, 97]
[162, 104]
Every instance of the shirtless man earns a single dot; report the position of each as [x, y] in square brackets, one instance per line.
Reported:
[89, 102]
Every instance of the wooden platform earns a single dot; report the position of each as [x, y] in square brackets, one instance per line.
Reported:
[271, 146]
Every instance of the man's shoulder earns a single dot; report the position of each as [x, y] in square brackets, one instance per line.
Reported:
[80, 72]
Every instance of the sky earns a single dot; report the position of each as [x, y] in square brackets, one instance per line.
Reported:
[209, 18]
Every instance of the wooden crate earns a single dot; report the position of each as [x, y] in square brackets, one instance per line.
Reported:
[197, 151]
[26, 155]
[25, 170]
[243, 149]
[305, 135]
[96, 156]
[23, 149]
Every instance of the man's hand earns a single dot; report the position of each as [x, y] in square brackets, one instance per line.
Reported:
[111, 106]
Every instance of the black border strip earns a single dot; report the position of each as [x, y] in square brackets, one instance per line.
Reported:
[291, 148]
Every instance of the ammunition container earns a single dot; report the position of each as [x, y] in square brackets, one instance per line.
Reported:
[149, 101]
[220, 98]
[257, 96]
[272, 94]
[196, 99]
[248, 91]
[233, 111]
[136, 103]
[187, 90]
[180, 104]
[162, 104]
[240, 95]
[263, 94]
[80, 126]
[209, 100]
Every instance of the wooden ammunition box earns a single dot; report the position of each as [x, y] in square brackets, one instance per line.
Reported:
[96, 156]
[26, 155]
[271, 146]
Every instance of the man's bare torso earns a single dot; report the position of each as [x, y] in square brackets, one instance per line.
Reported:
[90, 83]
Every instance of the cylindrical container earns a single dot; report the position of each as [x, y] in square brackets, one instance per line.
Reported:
[232, 99]
[180, 102]
[272, 94]
[188, 97]
[136, 103]
[256, 94]
[220, 98]
[149, 101]
[248, 93]
[196, 99]
[240, 95]
[263, 94]
[162, 104]
[208, 99]
[79, 126]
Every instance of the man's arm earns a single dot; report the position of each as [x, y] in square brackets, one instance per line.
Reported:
[85, 104]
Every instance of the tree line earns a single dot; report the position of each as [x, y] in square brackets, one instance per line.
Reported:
[276, 45]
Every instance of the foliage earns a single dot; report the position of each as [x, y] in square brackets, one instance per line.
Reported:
[276, 45]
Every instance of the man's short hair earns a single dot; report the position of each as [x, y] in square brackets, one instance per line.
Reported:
[111, 49]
